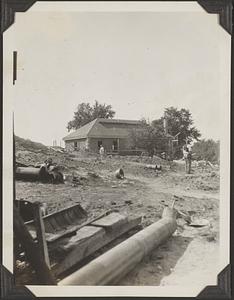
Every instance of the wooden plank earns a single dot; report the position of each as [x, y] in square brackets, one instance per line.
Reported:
[91, 245]
[66, 245]
[38, 264]
[48, 236]
[111, 221]
[40, 230]
[83, 234]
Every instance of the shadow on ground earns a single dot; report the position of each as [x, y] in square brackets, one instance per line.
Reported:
[158, 264]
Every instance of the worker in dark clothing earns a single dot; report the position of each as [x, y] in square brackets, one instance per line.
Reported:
[45, 168]
[47, 163]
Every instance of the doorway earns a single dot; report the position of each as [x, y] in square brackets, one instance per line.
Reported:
[115, 145]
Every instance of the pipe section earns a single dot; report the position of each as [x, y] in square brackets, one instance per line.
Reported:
[27, 173]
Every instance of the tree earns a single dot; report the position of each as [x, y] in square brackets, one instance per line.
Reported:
[207, 150]
[178, 121]
[153, 138]
[86, 113]
[148, 138]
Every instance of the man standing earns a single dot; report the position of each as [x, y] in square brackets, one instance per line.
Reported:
[102, 152]
[187, 156]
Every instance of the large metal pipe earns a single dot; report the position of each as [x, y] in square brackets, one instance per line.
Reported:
[27, 173]
[42, 173]
[110, 267]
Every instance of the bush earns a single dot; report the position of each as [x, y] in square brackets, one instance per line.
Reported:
[206, 150]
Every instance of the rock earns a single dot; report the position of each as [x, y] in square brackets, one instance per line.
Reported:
[128, 202]
[211, 238]
[159, 257]
[93, 175]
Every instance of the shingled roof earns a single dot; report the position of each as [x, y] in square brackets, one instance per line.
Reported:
[97, 129]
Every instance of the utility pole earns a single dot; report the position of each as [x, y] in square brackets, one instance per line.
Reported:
[165, 123]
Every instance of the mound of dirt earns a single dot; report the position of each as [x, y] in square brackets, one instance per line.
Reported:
[32, 153]
[26, 144]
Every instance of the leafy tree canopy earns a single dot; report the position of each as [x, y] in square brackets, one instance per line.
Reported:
[148, 137]
[206, 150]
[178, 121]
[86, 113]
[153, 138]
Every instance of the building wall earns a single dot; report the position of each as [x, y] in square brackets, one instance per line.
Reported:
[92, 143]
[124, 143]
[82, 144]
[107, 143]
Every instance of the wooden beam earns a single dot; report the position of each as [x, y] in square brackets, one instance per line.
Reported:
[40, 230]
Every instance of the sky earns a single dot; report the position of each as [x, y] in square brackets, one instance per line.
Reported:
[139, 62]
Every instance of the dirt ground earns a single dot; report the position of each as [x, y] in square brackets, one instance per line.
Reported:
[190, 255]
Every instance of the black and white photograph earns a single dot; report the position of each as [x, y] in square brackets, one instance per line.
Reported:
[116, 147]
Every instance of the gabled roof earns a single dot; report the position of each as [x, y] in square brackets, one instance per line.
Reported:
[97, 129]
[80, 133]
[119, 121]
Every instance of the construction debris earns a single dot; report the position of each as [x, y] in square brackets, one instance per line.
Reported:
[119, 174]
[156, 168]
[199, 222]
[71, 236]
[57, 149]
[110, 267]
[128, 202]
[91, 238]
[45, 172]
